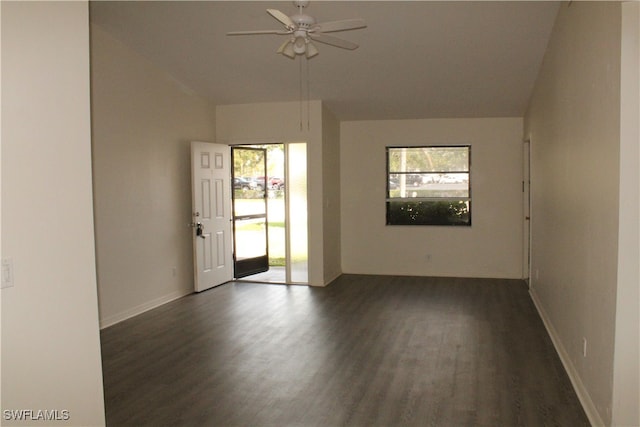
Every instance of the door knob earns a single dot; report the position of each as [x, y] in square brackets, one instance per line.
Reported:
[199, 230]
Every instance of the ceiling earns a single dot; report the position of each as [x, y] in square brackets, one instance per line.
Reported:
[417, 59]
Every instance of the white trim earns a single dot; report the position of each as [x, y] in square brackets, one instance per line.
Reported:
[287, 223]
[134, 311]
[526, 209]
[335, 276]
[576, 381]
[626, 353]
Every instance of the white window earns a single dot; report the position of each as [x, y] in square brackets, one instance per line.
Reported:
[429, 185]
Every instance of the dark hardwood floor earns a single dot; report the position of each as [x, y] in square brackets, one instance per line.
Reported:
[364, 351]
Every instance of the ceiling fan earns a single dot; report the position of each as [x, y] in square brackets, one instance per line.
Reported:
[303, 28]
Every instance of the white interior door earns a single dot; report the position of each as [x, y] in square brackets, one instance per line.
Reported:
[211, 195]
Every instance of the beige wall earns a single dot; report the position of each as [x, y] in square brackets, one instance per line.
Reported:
[280, 122]
[143, 122]
[50, 340]
[331, 195]
[1, 253]
[491, 247]
[574, 124]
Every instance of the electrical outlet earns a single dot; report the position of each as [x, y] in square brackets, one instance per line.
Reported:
[7, 272]
[584, 347]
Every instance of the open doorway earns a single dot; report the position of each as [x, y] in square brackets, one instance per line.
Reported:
[270, 213]
[250, 221]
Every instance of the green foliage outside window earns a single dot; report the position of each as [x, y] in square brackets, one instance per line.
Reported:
[429, 159]
[428, 213]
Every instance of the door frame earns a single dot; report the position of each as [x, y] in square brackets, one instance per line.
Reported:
[289, 274]
[526, 217]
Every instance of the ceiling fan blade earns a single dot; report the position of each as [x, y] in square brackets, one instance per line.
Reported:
[284, 19]
[343, 25]
[333, 41]
[248, 33]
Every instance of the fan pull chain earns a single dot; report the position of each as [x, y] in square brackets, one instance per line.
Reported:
[300, 93]
[308, 98]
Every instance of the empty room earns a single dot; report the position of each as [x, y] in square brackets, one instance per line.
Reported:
[320, 213]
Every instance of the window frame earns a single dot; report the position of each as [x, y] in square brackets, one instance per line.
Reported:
[467, 199]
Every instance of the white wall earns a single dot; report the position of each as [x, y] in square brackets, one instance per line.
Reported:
[574, 123]
[50, 339]
[143, 122]
[280, 122]
[626, 376]
[491, 247]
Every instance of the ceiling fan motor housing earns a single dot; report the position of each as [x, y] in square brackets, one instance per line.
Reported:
[303, 21]
[301, 3]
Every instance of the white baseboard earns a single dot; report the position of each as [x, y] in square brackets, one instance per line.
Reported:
[576, 381]
[334, 277]
[149, 305]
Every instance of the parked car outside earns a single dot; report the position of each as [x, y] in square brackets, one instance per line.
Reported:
[413, 179]
[240, 183]
[409, 179]
[276, 183]
[393, 182]
[452, 178]
[257, 183]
